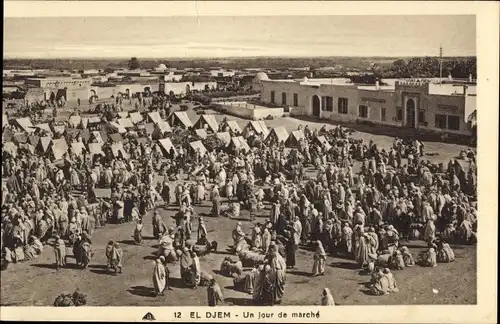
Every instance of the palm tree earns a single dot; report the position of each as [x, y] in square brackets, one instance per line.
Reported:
[472, 118]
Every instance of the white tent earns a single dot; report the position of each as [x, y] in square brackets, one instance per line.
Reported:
[136, 117]
[277, 135]
[117, 127]
[238, 142]
[166, 145]
[224, 137]
[125, 122]
[180, 118]
[198, 145]
[209, 121]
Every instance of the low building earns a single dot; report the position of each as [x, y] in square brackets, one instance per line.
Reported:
[419, 104]
[54, 88]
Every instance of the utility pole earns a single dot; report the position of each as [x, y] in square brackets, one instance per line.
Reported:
[440, 64]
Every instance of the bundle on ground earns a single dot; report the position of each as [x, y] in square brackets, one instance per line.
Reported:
[231, 268]
[249, 258]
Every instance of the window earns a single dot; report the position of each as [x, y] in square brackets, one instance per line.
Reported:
[295, 100]
[399, 114]
[283, 98]
[382, 114]
[454, 122]
[363, 111]
[440, 121]
[421, 117]
[329, 103]
[272, 97]
[342, 106]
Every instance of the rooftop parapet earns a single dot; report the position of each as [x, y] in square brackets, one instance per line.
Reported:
[420, 84]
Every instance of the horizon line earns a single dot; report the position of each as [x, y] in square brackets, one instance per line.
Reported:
[231, 57]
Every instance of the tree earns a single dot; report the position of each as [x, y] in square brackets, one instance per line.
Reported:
[134, 63]
[399, 69]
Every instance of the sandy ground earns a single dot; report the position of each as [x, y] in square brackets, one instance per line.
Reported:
[37, 283]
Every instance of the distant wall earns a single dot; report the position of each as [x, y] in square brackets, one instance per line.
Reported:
[34, 94]
[181, 87]
[247, 111]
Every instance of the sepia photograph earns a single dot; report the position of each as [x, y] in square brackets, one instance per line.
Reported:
[241, 160]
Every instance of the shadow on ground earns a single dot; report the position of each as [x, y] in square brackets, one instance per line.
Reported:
[345, 265]
[238, 301]
[142, 291]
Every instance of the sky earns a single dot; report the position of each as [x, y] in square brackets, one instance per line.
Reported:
[243, 36]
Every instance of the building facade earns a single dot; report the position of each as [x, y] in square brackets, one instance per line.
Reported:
[55, 88]
[407, 103]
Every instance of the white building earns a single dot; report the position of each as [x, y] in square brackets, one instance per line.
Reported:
[420, 104]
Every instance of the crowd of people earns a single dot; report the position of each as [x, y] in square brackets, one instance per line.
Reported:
[362, 204]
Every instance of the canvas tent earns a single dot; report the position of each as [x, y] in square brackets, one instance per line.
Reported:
[94, 123]
[181, 119]
[25, 124]
[10, 148]
[59, 128]
[238, 142]
[116, 138]
[28, 147]
[153, 117]
[41, 128]
[102, 192]
[142, 140]
[198, 145]
[160, 130]
[122, 114]
[166, 144]
[33, 140]
[95, 148]
[117, 127]
[207, 122]
[233, 126]
[136, 117]
[43, 144]
[7, 136]
[20, 138]
[150, 128]
[258, 127]
[95, 135]
[84, 123]
[85, 134]
[58, 148]
[118, 150]
[125, 122]
[324, 142]
[277, 135]
[164, 126]
[201, 133]
[224, 137]
[294, 138]
[78, 148]
[5, 120]
[75, 121]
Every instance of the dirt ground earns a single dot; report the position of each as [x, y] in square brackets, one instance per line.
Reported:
[37, 283]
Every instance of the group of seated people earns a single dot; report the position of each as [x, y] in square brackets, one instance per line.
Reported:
[22, 252]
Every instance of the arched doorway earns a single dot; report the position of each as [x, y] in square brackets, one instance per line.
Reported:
[316, 106]
[188, 89]
[410, 113]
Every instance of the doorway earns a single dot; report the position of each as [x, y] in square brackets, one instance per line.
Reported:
[316, 106]
[410, 113]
